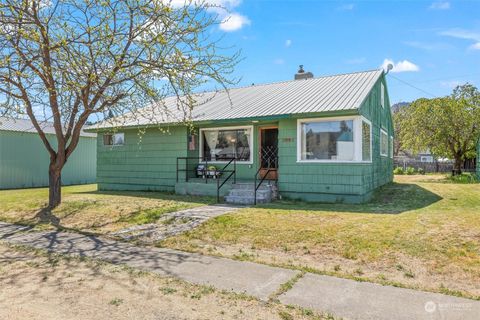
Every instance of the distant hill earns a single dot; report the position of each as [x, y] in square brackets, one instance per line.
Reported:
[399, 105]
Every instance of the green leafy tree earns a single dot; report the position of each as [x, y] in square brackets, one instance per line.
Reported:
[397, 116]
[66, 61]
[448, 127]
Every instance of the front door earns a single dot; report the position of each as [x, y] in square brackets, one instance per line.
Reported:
[269, 152]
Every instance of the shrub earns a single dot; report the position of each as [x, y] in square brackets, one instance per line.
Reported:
[410, 170]
[398, 170]
[463, 178]
[420, 171]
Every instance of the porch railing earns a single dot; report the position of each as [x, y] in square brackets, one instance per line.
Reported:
[221, 176]
[272, 167]
[232, 173]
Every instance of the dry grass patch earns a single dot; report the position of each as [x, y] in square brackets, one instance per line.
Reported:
[86, 209]
[36, 285]
[420, 232]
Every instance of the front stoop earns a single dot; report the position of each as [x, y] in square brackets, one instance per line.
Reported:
[244, 193]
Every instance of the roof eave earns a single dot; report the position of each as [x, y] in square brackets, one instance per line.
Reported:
[344, 112]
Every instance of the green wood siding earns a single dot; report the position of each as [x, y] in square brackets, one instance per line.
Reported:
[144, 162]
[381, 171]
[24, 161]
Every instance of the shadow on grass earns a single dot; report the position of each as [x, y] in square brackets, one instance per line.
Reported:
[160, 195]
[393, 198]
[45, 216]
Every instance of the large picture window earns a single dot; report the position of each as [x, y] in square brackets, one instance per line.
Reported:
[346, 139]
[223, 144]
[328, 140]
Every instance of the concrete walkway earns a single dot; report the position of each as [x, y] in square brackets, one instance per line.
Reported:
[341, 297]
[364, 300]
[173, 223]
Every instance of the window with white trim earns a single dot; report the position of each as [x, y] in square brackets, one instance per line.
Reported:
[382, 95]
[223, 144]
[366, 141]
[391, 147]
[328, 140]
[383, 143]
[334, 140]
[117, 139]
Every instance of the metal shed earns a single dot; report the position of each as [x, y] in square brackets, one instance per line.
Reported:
[24, 159]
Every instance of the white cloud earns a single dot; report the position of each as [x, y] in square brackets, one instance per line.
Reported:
[234, 22]
[288, 43]
[230, 20]
[461, 34]
[347, 7]
[279, 61]
[440, 5]
[475, 46]
[464, 34]
[400, 66]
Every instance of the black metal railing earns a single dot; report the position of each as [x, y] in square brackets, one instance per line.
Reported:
[206, 173]
[232, 173]
[273, 167]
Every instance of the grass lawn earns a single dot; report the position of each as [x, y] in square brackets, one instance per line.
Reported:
[85, 209]
[419, 232]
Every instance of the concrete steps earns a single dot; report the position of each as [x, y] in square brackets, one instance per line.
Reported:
[244, 193]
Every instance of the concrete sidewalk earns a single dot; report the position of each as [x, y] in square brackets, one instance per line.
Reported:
[364, 300]
[341, 297]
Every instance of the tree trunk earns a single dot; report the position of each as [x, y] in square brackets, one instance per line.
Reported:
[55, 187]
[457, 166]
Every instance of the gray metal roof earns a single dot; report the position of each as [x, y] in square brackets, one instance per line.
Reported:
[328, 93]
[23, 125]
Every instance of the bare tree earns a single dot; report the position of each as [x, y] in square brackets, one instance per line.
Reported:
[66, 61]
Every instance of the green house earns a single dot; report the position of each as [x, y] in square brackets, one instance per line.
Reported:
[326, 139]
[24, 160]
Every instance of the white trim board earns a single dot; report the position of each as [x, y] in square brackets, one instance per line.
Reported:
[386, 135]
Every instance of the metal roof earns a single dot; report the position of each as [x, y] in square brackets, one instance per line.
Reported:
[23, 125]
[323, 94]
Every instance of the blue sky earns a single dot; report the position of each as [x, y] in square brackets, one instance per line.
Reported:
[434, 45]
